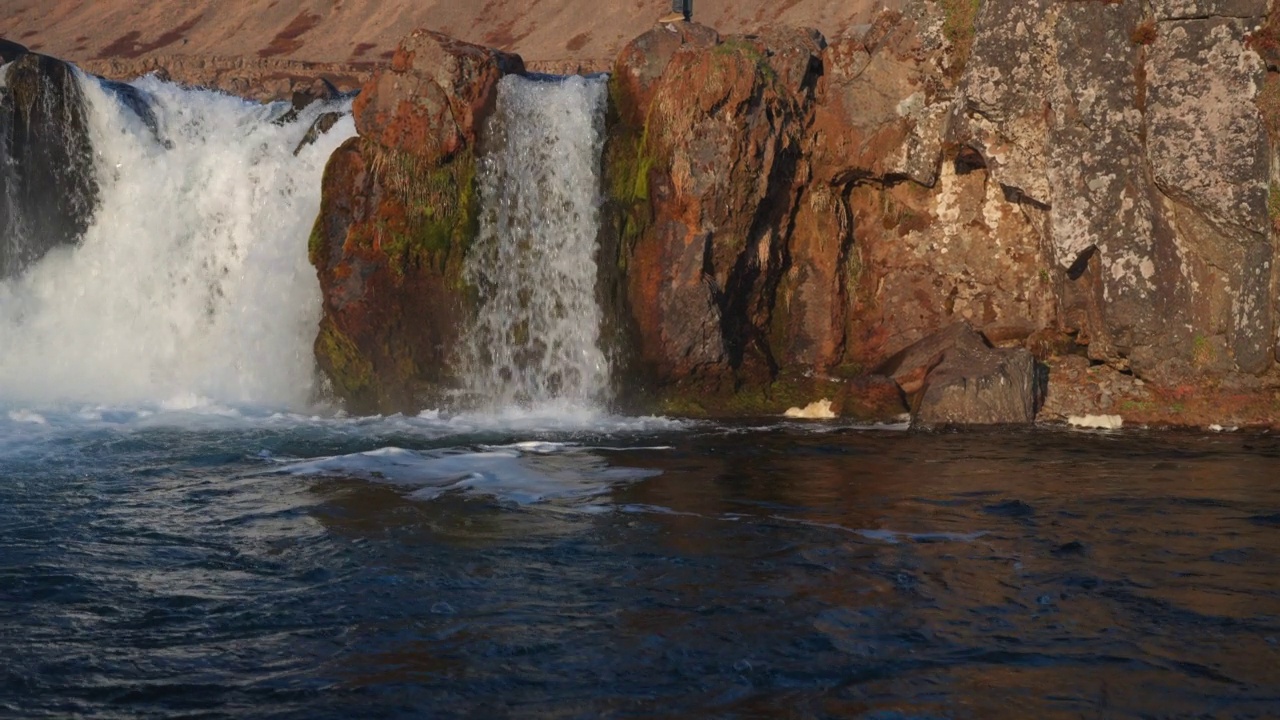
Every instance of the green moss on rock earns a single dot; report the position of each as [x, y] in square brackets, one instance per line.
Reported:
[629, 163]
[434, 213]
[958, 27]
[348, 369]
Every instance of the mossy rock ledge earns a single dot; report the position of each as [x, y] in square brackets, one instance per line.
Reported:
[398, 213]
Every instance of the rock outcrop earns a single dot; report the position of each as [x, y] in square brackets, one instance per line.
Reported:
[955, 377]
[1065, 177]
[256, 78]
[1136, 141]
[718, 162]
[398, 214]
[786, 213]
[48, 190]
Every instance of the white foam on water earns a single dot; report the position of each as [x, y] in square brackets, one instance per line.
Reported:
[535, 341]
[192, 287]
[27, 416]
[506, 475]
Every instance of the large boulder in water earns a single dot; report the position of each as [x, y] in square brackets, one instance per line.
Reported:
[48, 190]
[398, 214]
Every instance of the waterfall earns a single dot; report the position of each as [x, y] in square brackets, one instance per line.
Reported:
[535, 341]
[191, 281]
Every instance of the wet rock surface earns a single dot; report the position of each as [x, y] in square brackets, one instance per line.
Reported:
[321, 125]
[48, 189]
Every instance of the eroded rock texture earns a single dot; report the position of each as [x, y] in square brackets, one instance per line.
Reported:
[1147, 166]
[1095, 181]
[718, 160]
[398, 214]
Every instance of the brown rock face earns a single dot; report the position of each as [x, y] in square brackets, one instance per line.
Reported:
[720, 165]
[794, 209]
[432, 100]
[785, 214]
[398, 214]
[1131, 138]
[903, 232]
[643, 61]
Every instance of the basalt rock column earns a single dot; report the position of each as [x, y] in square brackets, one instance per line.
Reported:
[705, 167]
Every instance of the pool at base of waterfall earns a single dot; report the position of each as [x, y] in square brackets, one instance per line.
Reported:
[223, 564]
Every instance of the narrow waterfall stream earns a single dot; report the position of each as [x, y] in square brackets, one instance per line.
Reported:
[536, 338]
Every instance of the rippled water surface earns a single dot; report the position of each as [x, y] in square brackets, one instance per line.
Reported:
[174, 566]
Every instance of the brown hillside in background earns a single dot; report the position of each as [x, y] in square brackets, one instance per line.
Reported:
[551, 34]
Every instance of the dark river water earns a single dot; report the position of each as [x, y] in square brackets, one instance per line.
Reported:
[172, 566]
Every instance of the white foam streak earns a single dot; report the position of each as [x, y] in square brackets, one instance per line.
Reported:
[508, 475]
[192, 285]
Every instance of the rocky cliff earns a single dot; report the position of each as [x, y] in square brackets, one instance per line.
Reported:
[1074, 178]
[1087, 182]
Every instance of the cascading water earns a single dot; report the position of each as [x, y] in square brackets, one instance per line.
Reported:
[535, 342]
[192, 281]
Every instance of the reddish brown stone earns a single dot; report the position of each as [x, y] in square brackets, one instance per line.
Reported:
[398, 214]
[643, 61]
[721, 146]
[433, 98]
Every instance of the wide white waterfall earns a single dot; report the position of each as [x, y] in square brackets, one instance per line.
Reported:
[535, 342]
[192, 283]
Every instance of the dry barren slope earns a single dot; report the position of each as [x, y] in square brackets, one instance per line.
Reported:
[590, 32]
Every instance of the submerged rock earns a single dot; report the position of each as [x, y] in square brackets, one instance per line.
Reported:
[48, 190]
